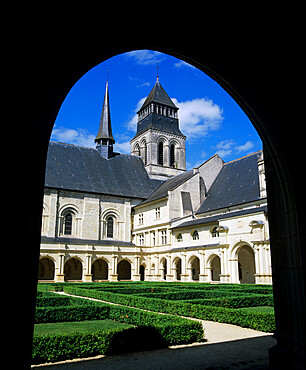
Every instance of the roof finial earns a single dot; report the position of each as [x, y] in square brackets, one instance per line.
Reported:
[157, 79]
[107, 76]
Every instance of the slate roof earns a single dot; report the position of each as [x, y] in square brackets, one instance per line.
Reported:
[78, 168]
[217, 218]
[158, 95]
[237, 183]
[159, 123]
[156, 121]
[162, 190]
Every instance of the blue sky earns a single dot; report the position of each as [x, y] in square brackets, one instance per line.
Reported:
[209, 117]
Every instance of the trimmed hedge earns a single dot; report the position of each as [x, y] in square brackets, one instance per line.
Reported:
[153, 331]
[258, 321]
[71, 313]
[51, 348]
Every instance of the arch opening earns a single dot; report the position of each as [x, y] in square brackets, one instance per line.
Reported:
[73, 270]
[46, 269]
[99, 270]
[246, 265]
[124, 270]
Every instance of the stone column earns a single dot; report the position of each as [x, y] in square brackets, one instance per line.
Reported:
[60, 277]
[203, 277]
[169, 276]
[88, 275]
[184, 275]
[114, 276]
[234, 278]
[136, 276]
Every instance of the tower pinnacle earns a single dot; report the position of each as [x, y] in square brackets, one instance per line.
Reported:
[105, 139]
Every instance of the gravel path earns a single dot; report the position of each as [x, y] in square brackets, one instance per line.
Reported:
[227, 347]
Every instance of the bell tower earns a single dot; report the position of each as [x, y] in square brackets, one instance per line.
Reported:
[158, 140]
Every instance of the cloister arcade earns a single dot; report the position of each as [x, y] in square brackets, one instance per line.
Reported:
[241, 266]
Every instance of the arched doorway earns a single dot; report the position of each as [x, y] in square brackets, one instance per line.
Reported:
[163, 270]
[99, 270]
[215, 267]
[177, 263]
[142, 272]
[46, 269]
[195, 268]
[73, 270]
[124, 270]
[246, 265]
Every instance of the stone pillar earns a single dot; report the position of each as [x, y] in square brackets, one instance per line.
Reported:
[203, 277]
[156, 272]
[184, 275]
[114, 276]
[169, 276]
[166, 155]
[136, 276]
[60, 277]
[234, 278]
[88, 275]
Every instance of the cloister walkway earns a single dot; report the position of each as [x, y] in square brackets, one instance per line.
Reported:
[226, 347]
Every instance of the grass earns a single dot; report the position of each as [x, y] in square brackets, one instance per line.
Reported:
[79, 326]
[260, 309]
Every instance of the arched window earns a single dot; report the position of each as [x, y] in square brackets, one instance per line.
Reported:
[137, 150]
[161, 153]
[68, 224]
[172, 155]
[195, 235]
[215, 232]
[145, 153]
[110, 227]
[179, 238]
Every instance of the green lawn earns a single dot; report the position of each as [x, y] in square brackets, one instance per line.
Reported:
[260, 309]
[78, 326]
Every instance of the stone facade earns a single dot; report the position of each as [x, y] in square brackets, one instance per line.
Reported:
[111, 218]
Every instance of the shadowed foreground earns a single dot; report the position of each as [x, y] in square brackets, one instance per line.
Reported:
[251, 353]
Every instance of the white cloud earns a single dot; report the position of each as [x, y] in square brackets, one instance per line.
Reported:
[228, 147]
[123, 147]
[243, 148]
[181, 64]
[73, 136]
[145, 57]
[197, 117]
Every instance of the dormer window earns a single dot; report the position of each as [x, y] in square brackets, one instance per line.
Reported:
[195, 235]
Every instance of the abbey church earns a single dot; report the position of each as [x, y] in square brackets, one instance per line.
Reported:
[111, 216]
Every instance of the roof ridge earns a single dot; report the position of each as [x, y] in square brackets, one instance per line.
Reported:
[238, 159]
[76, 145]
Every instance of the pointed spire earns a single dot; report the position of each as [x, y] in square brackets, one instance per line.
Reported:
[105, 127]
[157, 77]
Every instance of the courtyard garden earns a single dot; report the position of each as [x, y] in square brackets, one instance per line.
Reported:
[138, 316]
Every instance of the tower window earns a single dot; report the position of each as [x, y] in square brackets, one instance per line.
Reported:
[145, 153]
[161, 153]
[68, 224]
[172, 155]
[110, 227]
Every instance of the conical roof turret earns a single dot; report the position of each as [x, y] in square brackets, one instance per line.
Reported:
[105, 127]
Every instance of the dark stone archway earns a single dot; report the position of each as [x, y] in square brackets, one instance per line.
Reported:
[258, 73]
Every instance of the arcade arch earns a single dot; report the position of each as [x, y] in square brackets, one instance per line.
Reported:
[99, 270]
[46, 269]
[124, 270]
[73, 270]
